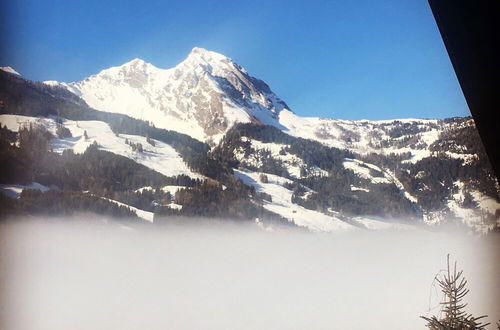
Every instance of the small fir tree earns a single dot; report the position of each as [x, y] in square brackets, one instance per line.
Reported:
[455, 318]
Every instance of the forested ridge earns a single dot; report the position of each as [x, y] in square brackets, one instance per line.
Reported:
[79, 180]
[431, 180]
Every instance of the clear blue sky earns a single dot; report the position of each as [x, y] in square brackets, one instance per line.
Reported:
[375, 59]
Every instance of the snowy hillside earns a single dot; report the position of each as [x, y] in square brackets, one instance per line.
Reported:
[436, 183]
[160, 157]
[281, 203]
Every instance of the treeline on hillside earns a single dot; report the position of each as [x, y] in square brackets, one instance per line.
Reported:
[432, 180]
[211, 199]
[397, 128]
[313, 153]
[335, 192]
[268, 163]
[462, 136]
[147, 199]
[23, 97]
[61, 203]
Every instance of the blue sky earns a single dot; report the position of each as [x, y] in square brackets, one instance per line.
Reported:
[340, 59]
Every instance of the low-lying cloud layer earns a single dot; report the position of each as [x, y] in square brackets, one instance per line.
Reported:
[76, 275]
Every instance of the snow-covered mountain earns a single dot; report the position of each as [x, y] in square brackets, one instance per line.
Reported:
[207, 93]
[203, 96]
[323, 174]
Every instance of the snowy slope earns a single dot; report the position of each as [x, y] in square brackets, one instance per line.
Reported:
[313, 220]
[161, 157]
[145, 215]
[367, 136]
[281, 204]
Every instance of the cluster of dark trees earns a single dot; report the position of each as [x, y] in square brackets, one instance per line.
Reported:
[462, 134]
[334, 191]
[135, 146]
[146, 199]
[313, 153]
[433, 179]
[61, 203]
[212, 199]
[398, 128]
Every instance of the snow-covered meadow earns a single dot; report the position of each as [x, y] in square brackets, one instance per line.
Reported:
[87, 275]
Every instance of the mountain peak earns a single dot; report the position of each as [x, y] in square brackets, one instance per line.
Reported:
[203, 96]
[10, 70]
[199, 50]
[131, 67]
[198, 53]
[136, 62]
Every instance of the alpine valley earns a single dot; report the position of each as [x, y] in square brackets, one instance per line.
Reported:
[206, 139]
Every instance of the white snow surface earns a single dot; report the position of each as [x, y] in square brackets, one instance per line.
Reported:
[359, 136]
[474, 217]
[10, 70]
[281, 204]
[364, 170]
[161, 157]
[145, 215]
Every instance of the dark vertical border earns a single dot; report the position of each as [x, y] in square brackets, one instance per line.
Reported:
[470, 31]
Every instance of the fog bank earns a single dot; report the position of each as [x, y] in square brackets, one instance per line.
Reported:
[75, 275]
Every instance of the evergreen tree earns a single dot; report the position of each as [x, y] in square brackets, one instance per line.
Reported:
[455, 318]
